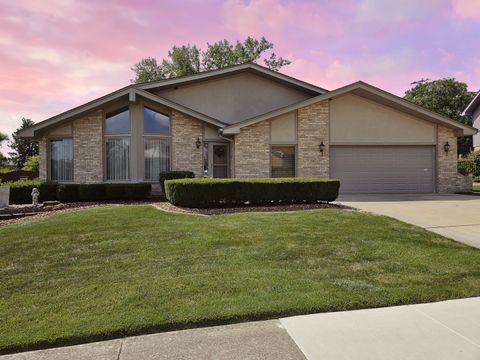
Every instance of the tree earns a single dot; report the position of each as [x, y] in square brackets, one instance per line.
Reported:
[23, 148]
[3, 159]
[447, 97]
[188, 60]
[32, 163]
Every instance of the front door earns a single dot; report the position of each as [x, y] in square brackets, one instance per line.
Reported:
[216, 160]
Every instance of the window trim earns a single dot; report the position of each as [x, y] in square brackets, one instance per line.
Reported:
[295, 148]
[49, 159]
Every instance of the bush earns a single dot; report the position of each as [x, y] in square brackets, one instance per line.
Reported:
[21, 191]
[68, 193]
[137, 191]
[114, 191]
[91, 192]
[172, 175]
[205, 193]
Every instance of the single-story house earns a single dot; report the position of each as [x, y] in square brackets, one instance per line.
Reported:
[473, 110]
[248, 121]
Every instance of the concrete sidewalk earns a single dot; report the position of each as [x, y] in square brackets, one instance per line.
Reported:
[452, 215]
[437, 331]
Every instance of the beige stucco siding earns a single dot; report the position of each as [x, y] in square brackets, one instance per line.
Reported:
[236, 97]
[355, 120]
[476, 123]
[284, 129]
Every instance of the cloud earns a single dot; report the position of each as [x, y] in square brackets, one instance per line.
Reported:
[382, 11]
[466, 8]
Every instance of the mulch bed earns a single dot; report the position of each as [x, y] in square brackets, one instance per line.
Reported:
[166, 206]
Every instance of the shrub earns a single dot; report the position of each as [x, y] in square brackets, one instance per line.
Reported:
[21, 191]
[137, 191]
[114, 191]
[91, 192]
[204, 193]
[68, 193]
[172, 175]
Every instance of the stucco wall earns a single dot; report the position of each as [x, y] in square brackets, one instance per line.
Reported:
[355, 120]
[313, 128]
[236, 97]
[449, 180]
[476, 124]
[185, 155]
[252, 151]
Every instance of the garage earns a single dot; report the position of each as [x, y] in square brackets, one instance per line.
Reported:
[383, 169]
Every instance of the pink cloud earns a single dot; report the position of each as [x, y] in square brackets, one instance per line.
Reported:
[466, 8]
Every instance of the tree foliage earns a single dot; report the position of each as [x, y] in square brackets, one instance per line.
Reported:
[3, 159]
[447, 97]
[23, 148]
[32, 163]
[188, 59]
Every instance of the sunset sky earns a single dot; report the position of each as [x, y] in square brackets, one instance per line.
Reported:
[57, 54]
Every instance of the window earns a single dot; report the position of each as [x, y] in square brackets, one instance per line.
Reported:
[117, 145]
[157, 157]
[155, 122]
[118, 122]
[61, 160]
[156, 129]
[283, 161]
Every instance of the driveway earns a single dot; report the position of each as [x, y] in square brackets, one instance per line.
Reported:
[451, 215]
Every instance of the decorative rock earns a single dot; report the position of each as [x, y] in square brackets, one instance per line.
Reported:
[4, 196]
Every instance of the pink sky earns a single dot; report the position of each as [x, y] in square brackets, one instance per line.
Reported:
[57, 54]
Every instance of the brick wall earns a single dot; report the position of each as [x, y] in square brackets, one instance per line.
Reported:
[185, 155]
[313, 128]
[449, 180]
[42, 152]
[88, 148]
[252, 151]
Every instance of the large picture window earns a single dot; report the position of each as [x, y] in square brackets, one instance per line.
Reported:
[283, 161]
[117, 145]
[61, 160]
[156, 129]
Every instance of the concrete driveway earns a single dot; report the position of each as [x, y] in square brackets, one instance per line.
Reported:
[451, 215]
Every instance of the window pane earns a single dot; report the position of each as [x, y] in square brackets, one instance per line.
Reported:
[283, 161]
[157, 157]
[117, 158]
[61, 160]
[118, 122]
[155, 122]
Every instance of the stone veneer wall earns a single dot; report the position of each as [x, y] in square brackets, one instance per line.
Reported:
[88, 148]
[313, 128]
[449, 180]
[42, 152]
[185, 155]
[252, 151]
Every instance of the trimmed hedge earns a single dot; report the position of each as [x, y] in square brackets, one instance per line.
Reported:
[21, 191]
[98, 192]
[206, 193]
[172, 175]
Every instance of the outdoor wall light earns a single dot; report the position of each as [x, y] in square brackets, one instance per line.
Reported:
[321, 147]
[446, 147]
[198, 143]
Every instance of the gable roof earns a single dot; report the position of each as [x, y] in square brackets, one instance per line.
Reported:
[131, 92]
[229, 70]
[365, 90]
[474, 104]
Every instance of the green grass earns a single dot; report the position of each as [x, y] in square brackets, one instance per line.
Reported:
[112, 271]
[476, 187]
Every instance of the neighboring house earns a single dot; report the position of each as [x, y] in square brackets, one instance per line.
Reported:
[248, 121]
[473, 110]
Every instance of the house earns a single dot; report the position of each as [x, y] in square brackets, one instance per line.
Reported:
[248, 121]
[473, 110]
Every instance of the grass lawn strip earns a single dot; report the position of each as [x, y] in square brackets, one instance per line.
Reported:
[122, 270]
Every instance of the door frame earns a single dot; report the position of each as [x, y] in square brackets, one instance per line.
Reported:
[210, 145]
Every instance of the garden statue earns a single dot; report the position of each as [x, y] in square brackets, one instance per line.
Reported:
[35, 195]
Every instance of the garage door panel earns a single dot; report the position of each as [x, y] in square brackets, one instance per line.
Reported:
[383, 169]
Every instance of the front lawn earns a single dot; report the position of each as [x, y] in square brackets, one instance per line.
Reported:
[119, 270]
[476, 187]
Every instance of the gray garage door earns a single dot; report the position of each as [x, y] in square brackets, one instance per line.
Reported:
[383, 169]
